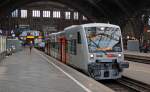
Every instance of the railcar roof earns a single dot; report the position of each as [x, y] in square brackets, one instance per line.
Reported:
[73, 26]
[61, 32]
[53, 34]
[99, 24]
[92, 25]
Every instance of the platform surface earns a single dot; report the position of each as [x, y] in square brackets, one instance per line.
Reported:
[138, 71]
[25, 72]
[137, 53]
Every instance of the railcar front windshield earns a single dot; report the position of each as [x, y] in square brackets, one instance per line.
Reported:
[101, 39]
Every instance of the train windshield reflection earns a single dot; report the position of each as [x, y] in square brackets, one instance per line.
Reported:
[103, 39]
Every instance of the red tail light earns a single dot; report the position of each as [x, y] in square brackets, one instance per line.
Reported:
[110, 55]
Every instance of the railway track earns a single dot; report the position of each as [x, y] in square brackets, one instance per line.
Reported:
[124, 84]
[127, 85]
[139, 59]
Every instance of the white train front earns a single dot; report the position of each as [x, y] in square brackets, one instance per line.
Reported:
[94, 48]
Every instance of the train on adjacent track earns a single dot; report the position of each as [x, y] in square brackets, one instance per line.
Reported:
[94, 48]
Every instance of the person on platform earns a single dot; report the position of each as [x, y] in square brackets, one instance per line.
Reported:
[145, 47]
[31, 45]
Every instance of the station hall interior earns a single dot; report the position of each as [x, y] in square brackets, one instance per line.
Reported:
[74, 46]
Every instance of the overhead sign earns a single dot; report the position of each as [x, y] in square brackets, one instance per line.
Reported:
[23, 26]
[40, 37]
[49, 28]
[31, 37]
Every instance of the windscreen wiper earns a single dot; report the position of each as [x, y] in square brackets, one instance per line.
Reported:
[93, 42]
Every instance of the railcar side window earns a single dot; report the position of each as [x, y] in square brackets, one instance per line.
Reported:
[79, 38]
[72, 47]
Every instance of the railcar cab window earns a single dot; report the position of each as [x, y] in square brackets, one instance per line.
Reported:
[103, 39]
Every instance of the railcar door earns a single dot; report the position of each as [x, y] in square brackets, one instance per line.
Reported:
[60, 50]
[49, 47]
[63, 50]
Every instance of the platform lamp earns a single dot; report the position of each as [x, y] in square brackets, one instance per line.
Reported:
[13, 34]
[1, 32]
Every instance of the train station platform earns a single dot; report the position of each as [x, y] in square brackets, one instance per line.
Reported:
[136, 53]
[2, 55]
[138, 71]
[37, 72]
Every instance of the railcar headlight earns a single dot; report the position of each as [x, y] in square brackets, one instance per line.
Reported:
[102, 28]
[119, 55]
[92, 56]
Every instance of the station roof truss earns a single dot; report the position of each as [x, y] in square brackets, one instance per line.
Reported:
[109, 9]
